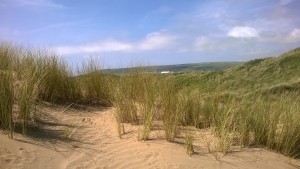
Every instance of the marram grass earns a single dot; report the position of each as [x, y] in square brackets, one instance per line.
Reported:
[247, 105]
[6, 102]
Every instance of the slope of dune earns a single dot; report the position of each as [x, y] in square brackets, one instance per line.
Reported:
[252, 75]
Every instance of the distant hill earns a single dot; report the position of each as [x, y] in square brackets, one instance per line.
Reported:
[197, 67]
[282, 72]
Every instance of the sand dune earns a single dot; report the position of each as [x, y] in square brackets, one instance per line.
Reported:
[87, 138]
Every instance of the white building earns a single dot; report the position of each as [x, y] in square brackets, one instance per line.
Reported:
[165, 72]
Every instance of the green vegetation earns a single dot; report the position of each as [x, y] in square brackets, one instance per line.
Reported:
[95, 87]
[29, 76]
[6, 102]
[189, 144]
[180, 68]
[30, 80]
[57, 84]
[252, 104]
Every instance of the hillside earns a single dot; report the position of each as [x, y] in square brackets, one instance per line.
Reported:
[197, 67]
[253, 75]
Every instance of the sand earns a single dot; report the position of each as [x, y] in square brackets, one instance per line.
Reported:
[87, 138]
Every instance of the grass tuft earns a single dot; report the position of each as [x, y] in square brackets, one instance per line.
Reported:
[6, 102]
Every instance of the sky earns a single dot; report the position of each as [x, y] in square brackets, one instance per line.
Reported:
[122, 33]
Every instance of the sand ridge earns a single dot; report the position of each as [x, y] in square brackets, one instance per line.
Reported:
[87, 138]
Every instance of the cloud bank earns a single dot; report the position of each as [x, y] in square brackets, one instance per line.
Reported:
[153, 41]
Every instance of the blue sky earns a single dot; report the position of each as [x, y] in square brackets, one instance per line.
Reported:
[124, 32]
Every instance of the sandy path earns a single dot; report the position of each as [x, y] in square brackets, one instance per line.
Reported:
[88, 139]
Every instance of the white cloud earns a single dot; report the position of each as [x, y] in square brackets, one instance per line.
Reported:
[294, 36]
[243, 32]
[241, 41]
[105, 46]
[153, 41]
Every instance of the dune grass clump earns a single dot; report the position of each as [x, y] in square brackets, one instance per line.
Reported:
[9, 56]
[95, 86]
[246, 121]
[171, 112]
[149, 102]
[130, 95]
[6, 102]
[31, 78]
[27, 76]
[261, 122]
[126, 111]
[58, 84]
[288, 138]
[276, 125]
[124, 99]
[244, 126]
[224, 126]
[189, 143]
